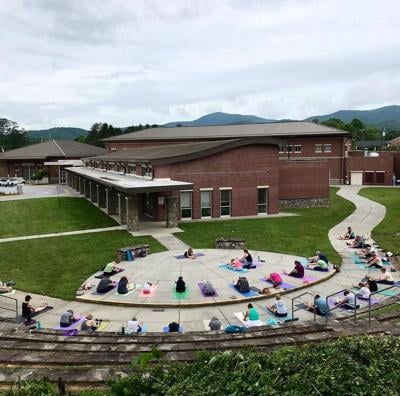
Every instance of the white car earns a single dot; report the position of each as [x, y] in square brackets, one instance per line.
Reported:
[11, 181]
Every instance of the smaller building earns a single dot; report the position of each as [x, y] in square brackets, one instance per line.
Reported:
[51, 156]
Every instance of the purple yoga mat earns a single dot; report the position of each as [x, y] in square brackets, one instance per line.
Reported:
[73, 326]
[283, 285]
[96, 293]
[201, 284]
[308, 279]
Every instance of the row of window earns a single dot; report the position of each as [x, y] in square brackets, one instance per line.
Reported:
[225, 202]
[296, 148]
[130, 169]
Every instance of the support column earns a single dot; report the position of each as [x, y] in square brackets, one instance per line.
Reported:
[76, 183]
[81, 185]
[122, 209]
[102, 197]
[87, 188]
[69, 178]
[132, 213]
[93, 192]
[112, 202]
[172, 212]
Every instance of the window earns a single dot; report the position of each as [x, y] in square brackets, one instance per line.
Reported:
[147, 171]
[289, 148]
[282, 149]
[206, 203]
[318, 148]
[262, 202]
[327, 148]
[369, 177]
[186, 205]
[225, 204]
[131, 169]
[380, 177]
[297, 148]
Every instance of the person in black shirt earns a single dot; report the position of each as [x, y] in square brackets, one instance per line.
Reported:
[173, 327]
[318, 256]
[123, 285]
[105, 285]
[180, 285]
[28, 310]
[247, 259]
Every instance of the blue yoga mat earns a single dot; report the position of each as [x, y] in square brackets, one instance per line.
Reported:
[226, 267]
[182, 256]
[250, 293]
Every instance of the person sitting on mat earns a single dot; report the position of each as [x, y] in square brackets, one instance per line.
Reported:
[28, 310]
[215, 324]
[297, 271]
[147, 287]
[357, 243]
[6, 287]
[320, 265]
[278, 308]
[105, 285]
[366, 253]
[364, 292]
[242, 285]
[348, 301]
[386, 277]
[251, 313]
[173, 327]
[134, 326]
[189, 254]
[374, 261]
[124, 286]
[318, 256]
[180, 285]
[274, 278]
[88, 324]
[372, 285]
[111, 269]
[208, 289]
[68, 318]
[349, 234]
[319, 305]
[235, 264]
[247, 259]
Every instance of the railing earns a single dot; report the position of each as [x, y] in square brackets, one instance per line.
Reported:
[328, 309]
[298, 309]
[9, 309]
[371, 295]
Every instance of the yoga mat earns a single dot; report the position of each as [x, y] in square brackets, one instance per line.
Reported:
[250, 293]
[166, 329]
[226, 267]
[95, 293]
[153, 290]
[278, 318]
[308, 279]
[48, 308]
[103, 325]
[201, 285]
[181, 256]
[101, 276]
[73, 326]
[331, 303]
[180, 296]
[283, 285]
[130, 292]
[249, 323]
[389, 293]
[312, 269]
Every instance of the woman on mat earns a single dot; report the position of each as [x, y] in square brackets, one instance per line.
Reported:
[105, 285]
[215, 324]
[372, 285]
[180, 285]
[251, 313]
[134, 326]
[28, 310]
[278, 308]
[147, 287]
[349, 234]
[364, 292]
[319, 305]
[247, 259]
[274, 278]
[242, 285]
[297, 271]
[320, 265]
[124, 286]
[235, 264]
[374, 261]
[348, 301]
[318, 256]
[68, 318]
[386, 277]
[189, 254]
[111, 269]
[88, 324]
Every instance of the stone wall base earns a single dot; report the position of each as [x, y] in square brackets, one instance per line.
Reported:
[301, 203]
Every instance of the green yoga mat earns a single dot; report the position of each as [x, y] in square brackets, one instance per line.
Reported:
[389, 293]
[180, 296]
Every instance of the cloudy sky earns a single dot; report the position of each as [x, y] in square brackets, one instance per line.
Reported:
[76, 62]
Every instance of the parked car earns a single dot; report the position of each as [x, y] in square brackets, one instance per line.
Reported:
[11, 181]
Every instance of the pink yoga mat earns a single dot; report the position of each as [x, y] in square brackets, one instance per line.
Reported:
[151, 294]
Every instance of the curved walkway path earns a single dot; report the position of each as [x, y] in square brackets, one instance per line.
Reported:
[366, 216]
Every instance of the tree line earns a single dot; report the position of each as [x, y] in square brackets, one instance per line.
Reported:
[11, 135]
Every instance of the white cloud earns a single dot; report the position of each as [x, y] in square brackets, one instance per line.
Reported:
[77, 62]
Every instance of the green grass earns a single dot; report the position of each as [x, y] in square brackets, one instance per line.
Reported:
[57, 266]
[298, 235]
[385, 232]
[43, 216]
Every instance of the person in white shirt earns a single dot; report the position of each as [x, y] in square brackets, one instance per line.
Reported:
[133, 326]
[348, 301]
[364, 291]
[386, 277]
[278, 308]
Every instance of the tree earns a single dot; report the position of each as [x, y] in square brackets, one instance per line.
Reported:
[11, 135]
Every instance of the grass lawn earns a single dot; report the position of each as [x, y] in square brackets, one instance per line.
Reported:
[385, 232]
[58, 266]
[298, 235]
[43, 216]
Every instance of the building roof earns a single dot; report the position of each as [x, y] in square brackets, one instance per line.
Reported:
[53, 148]
[276, 129]
[370, 143]
[395, 141]
[129, 183]
[172, 153]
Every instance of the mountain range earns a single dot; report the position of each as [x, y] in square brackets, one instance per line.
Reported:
[383, 117]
